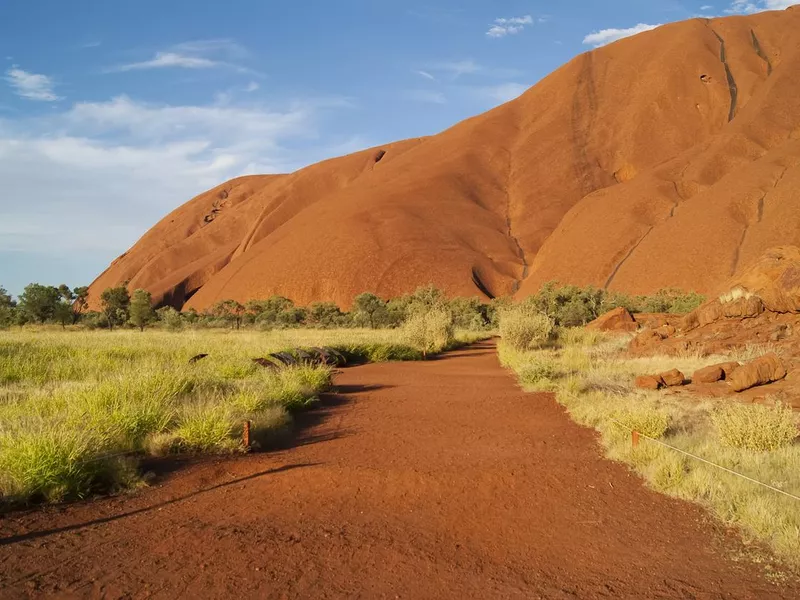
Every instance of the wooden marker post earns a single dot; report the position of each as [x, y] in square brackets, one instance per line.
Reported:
[246, 435]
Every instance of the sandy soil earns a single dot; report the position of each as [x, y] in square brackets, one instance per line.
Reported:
[434, 480]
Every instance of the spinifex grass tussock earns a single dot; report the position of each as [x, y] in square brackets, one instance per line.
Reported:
[592, 378]
[757, 428]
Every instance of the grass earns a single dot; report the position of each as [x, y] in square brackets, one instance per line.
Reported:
[72, 401]
[592, 378]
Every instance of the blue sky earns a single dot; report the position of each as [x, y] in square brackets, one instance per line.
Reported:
[114, 113]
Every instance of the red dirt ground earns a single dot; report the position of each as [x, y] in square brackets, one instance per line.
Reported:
[420, 480]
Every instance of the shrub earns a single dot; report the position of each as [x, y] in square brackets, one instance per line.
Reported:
[646, 420]
[170, 317]
[429, 331]
[754, 427]
[523, 328]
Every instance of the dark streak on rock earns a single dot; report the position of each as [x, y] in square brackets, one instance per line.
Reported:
[760, 51]
[734, 90]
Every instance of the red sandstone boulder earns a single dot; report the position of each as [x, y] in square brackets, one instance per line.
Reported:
[763, 370]
[672, 378]
[710, 374]
[650, 382]
[618, 319]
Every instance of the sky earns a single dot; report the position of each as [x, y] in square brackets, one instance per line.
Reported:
[114, 113]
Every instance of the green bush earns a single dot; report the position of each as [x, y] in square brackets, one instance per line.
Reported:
[522, 328]
[429, 331]
[755, 427]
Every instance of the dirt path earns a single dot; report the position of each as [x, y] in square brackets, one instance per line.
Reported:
[434, 480]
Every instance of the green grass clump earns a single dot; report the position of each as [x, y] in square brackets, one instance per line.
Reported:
[54, 463]
[754, 427]
[647, 421]
[207, 427]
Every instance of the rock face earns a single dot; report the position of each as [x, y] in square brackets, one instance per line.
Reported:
[618, 319]
[760, 371]
[630, 153]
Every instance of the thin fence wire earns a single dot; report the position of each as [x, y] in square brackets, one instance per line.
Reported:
[708, 462]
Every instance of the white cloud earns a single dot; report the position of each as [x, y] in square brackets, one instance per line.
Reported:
[457, 68]
[199, 54]
[745, 7]
[498, 94]
[426, 96]
[96, 176]
[503, 27]
[170, 59]
[606, 36]
[426, 75]
[251, 87]
[32, 86]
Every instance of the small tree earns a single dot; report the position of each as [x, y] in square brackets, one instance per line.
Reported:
[369, 310]
[39, 302]
[81, 303]
[429, 331]
[170, 317]
[230, 311]
[115, 303]
[325, 314]
[7, 308]
[141, 309]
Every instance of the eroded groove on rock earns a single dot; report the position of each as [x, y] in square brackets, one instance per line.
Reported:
[760, 51]
[626, 257]
[584, 106]
[476, 279]
[734, 90]
[510, 233]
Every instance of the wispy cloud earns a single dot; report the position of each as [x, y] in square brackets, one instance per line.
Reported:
[498, 94]
[84, 169]
[426, 96]
[198, 54]
[745, 7]
[425, 74]
[169, 59]
[606, 36]
[456, 68]
[32, 86]
[503, 27]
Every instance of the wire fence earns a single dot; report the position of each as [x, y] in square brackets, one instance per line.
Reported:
[708, 462]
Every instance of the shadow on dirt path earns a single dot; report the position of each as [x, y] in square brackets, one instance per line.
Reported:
[417, 480]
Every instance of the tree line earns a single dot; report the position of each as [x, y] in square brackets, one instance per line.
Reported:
[567, 305]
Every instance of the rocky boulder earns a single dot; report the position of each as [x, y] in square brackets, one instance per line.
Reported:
[762, 370]
[715, 373]
[618, 319]
[673, 378]
[650, 382]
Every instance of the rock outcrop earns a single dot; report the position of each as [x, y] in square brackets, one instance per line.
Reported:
[629, 156]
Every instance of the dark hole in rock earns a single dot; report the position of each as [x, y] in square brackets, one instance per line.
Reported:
[209, 218]
[705, 78]
[380, 154]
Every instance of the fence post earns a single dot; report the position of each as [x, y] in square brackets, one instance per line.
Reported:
[635, 439]
[246, 435]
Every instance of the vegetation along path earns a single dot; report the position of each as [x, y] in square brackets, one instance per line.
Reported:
[418, 480]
